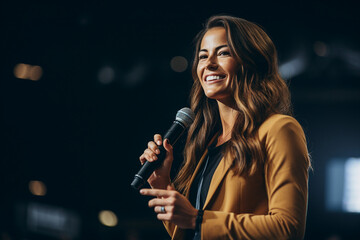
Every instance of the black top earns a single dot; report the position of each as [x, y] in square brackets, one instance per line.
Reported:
[211, 162]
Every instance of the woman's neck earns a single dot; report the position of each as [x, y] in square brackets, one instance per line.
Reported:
[228, 116]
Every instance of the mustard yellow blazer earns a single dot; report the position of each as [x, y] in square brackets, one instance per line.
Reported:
[271, 203]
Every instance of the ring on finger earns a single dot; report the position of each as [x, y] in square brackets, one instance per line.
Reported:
[162, 209]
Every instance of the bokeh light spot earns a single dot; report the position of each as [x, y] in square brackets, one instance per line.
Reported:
[37, 188]
[178, 64]
[21, 70]
[106, 75]
[26, 71]
[35, 73]
[320, 49]
[108, 218]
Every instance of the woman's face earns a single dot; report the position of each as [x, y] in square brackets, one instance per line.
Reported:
[216, 67]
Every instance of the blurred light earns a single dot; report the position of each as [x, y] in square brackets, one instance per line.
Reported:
[108, 218]
[293, 67]
[37, 188]
[52, 221]
[352, 58]
[106, 75]
[334, 184]
[21, 70]
[178, 64]
[342, 185]
[135, 75]
[320, 48]
[26, 71]
[35, 73]
[351, 202]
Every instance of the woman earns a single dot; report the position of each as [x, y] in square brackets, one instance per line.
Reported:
[245, 172]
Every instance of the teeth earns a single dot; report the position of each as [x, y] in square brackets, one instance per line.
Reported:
[209, 78]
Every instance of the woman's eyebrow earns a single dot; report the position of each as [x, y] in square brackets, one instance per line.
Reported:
[217, 48]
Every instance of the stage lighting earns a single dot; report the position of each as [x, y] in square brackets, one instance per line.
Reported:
[37, 188]
[320, 48]
[108, 218]
[106, 75]
[342, 185]
[178, 64]
[46, 221]
[293, 67]
[27, 71]
[21, 70]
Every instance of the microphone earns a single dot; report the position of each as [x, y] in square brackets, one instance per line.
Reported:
[184, 118]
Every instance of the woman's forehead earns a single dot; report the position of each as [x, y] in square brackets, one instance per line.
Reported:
[214, 37]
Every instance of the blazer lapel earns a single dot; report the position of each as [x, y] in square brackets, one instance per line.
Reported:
[218, 176]
[202, 159]
[178, 233]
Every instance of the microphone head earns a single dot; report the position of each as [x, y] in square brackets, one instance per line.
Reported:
[185, 116]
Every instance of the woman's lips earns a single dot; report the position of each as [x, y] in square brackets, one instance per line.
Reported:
[214, 78]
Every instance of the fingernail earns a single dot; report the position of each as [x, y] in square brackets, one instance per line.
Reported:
[158, 142]
[141, 191]
[154, 157]
[157, 151]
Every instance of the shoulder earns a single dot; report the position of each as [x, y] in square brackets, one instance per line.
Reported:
[279, 126]
[284, 141]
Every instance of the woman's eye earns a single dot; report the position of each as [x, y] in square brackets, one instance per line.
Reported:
[202, 56]
[224, 53]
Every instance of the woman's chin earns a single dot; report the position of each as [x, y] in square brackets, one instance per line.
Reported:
[216, 95]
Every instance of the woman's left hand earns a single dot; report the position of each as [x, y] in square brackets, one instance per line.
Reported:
[177, 208]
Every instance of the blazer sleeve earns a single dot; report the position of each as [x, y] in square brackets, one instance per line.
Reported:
[286, 179]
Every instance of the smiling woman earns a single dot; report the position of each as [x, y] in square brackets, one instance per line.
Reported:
[216, 67]
[245, 171]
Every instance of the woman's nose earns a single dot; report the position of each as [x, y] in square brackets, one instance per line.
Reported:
[211, 64]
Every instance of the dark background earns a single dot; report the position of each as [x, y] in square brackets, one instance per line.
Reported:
[82, 138]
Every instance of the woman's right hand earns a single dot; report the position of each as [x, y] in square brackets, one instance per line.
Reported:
[160, 178]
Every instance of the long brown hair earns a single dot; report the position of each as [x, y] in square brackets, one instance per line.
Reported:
[258, 92]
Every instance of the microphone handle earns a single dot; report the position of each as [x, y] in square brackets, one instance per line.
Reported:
[147, 169]
[173, 134]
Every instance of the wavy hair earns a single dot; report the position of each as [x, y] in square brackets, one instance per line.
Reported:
[258, 91]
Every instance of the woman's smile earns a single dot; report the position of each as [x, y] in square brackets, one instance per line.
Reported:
[209, 79]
